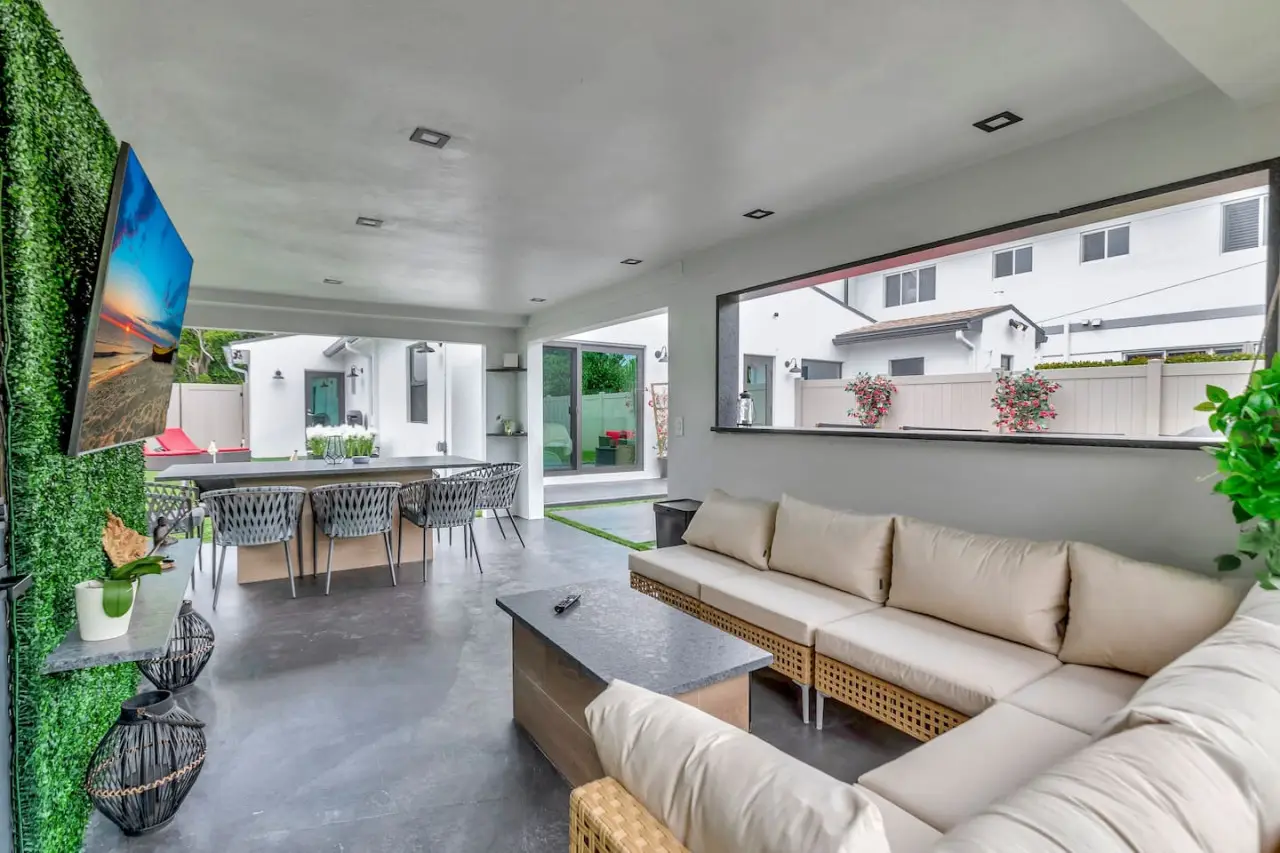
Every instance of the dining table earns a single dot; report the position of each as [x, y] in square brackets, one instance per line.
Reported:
[266, 562]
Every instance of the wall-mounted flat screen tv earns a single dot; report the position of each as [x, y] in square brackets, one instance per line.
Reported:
[131, 335]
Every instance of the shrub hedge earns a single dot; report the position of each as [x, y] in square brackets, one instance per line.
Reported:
[1189, 358]
[58, 157]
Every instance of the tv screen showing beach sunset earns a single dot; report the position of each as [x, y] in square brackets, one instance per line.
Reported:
[144, 297]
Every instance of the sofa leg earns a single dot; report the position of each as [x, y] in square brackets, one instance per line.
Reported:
[817, 718]
[804, 703]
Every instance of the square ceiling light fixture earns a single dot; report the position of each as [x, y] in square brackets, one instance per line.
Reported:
[368, 222]
[430, 138]
[758, 213]
[631, 262]
[999, 121]
[333, 281]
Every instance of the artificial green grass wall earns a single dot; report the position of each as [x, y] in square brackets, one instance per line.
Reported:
[58, 157]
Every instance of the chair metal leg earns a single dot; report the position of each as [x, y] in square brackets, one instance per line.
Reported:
[498, 519]
[199, 552]
[399, 540]
[217, 576]
[313, 547]
[425, 534]
[514, 527]
[450, 536]
[297, 533]
[804, 702]
[328, 572]
[288, 562]
[472, 533]
[817, 719]
[386, 537]
[466, 542]
[213, 574]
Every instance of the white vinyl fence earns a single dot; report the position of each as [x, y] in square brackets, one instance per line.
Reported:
[209, 413]
[600, 413]
[1149, 399]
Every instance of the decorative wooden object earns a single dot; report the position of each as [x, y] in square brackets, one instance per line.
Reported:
[122, 543]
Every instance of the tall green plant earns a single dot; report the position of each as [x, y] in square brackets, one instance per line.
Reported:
[1249, 462]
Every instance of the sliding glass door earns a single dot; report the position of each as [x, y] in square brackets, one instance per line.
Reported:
[593, 408]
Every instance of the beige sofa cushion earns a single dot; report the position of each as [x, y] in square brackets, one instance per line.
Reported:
[1010, 588]
[842, 550]
[1081, 697]
[789, 606]
[685, 567]
[1135, 616]
[961, 669]
[905, 832]
[958, 774]
[1261, 604]
[736, 527]
[720, 790]
[1227, 691]
[1150, 790]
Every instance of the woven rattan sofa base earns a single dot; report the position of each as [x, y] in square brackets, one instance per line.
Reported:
[667, 595]
[919, 717]
[604, 818]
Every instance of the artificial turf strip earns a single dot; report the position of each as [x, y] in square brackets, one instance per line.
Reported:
[58, 159]
[603, 534]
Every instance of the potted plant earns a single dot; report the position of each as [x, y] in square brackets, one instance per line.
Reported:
[658, 401]
[355, 440]
[104, 605]
[1249, 462]
[873, 395]
[1022, 402]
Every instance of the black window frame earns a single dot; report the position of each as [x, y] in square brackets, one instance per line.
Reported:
[1014, 254]
[805, 362]
[918, 282]
[913, 361]
[1106, 233]
[724, 402]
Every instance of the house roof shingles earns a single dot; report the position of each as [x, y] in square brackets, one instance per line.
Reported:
[927, 325]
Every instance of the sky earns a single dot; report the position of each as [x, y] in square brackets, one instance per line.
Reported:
[149, 271]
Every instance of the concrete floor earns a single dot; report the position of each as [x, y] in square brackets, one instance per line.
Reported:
[379, 718]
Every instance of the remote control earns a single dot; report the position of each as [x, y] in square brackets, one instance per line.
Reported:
[567, 602]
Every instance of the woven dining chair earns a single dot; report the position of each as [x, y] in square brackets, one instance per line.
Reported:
[499, 493]
[438, 503]
[353, 511]
[180, 506]
[253, 515]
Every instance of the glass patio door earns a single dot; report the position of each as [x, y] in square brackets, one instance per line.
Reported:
[559, 408]
[611, 410]
[757, 371]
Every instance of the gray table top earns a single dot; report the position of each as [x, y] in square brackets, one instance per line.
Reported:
[150, 627]
[246, 471]
[616, 632]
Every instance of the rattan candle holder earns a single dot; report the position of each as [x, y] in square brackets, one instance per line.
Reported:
[188, 652]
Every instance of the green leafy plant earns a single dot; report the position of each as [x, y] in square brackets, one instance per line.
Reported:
[117, 586]
[1185, 358]
[1249, 461]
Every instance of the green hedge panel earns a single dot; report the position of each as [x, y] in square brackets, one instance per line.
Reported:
[58, 157]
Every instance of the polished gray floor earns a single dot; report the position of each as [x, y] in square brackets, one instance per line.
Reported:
[631, 521]
[567, 491]
[379, 718]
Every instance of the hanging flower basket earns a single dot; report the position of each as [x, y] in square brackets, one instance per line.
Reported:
[1022, 402]
[873, 396]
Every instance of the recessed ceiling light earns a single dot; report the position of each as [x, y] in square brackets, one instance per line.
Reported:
[333, 281]
[758, 213]
[999, 121]
[431, 138]
[537, 299]
[368, 222]
[631, 262]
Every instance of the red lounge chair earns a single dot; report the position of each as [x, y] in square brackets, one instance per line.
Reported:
[176, 447]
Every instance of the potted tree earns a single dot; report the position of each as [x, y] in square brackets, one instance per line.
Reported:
[104, 606]
[1249, 462]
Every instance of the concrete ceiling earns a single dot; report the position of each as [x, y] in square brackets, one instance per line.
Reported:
[584, 132]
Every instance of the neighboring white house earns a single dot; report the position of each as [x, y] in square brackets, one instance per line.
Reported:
[419, 397]
[1188, 277]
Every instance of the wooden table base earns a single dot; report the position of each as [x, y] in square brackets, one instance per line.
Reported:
[551, 691]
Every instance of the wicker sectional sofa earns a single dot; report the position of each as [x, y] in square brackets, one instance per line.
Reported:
[1132, 710]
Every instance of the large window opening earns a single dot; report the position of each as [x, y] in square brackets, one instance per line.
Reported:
[1130, 307]
[593, 418]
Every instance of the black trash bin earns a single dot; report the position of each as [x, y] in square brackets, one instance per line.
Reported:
[672, 519]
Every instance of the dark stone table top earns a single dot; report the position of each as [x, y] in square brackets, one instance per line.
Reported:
[248, 471]
[616, 632]
[150, 627]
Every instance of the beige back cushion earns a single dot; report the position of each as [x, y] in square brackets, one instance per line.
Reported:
[736, 527]
[838, 549]
[1227, 691]
[1010, 588]
[1137, 616]
[721, 790]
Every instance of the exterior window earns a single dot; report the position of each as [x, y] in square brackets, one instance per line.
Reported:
[1006, 362]
[418, 383]
[905, 288]
[1013, 262]
[1243, 224]
[906, 366]
[812, 368]
[1108, 243]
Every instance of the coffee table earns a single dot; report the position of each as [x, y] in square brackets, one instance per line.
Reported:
[560, 662]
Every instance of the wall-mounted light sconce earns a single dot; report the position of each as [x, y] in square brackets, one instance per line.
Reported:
[1019, 325]
[277, 375]
[354, 375]
[793, 366]
[661, 355]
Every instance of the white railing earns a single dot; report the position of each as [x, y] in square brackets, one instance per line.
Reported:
[1150, 399]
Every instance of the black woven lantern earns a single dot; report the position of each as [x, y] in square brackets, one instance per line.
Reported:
[188, 652]
[146, 764]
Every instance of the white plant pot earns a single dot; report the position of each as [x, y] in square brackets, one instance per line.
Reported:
[94, 623]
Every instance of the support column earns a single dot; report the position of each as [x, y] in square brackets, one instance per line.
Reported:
[728, 360]
[529, 493]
